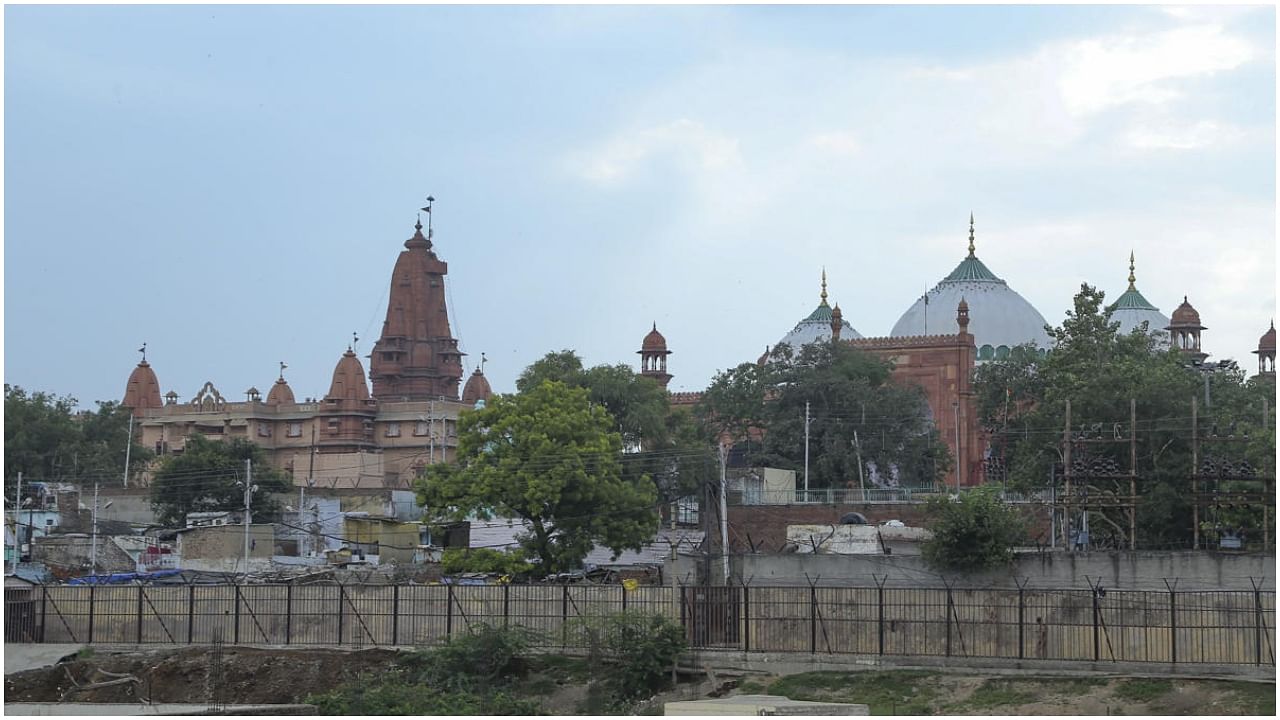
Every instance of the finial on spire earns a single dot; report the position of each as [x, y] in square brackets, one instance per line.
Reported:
[143, 350]
[418, 225]
[282, 367]
[355, 341]
[971, 234]
[1132, 279]
[823, 295]
[430, 201]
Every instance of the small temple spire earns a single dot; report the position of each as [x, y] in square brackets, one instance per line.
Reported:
[823, 295]
[971, 234]
[1132, 279]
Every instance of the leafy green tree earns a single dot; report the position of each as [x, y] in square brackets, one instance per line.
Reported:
[204, 479]
[974, 532]
[46, 439]
[855, 412]
[550, 457]
[1022, 401]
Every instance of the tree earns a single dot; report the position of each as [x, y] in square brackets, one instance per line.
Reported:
[1022, 401]
[855, 411]
[47, 440]
[204, 479]
[975, 531]
[549, 457]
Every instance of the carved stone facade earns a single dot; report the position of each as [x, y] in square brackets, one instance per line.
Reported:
[350, 438]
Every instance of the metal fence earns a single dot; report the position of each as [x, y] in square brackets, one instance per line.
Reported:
[1096, 625]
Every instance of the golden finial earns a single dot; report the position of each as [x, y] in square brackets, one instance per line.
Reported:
[1132, 279]
[824, 286]
[970, 234]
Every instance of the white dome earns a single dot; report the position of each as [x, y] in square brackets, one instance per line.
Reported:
[817, 328]
[1131, 310]
[999, 318]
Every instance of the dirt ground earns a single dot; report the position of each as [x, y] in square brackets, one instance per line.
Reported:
[254, 675]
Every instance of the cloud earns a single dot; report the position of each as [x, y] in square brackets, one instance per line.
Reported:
[1186, 137]
[687, 143]
[836, 143]
[1101, 73]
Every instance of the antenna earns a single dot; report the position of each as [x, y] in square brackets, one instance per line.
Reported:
[282, 367]
[430, 201]
[143, 350]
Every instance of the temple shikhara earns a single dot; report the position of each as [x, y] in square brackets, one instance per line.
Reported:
[379, 430]
[350, 438]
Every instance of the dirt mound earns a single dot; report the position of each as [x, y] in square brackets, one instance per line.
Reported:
[199, 675]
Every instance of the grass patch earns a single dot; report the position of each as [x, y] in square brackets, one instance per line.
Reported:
[1143, 690]
[994, 694]
[1250, 698]
[751, 687]
[890, 692]
[561, 668]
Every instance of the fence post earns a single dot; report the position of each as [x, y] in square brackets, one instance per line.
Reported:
[395, 614]
[1022, 611]
[139, 635]
[191, 613]
[44, 610]
[880, 603]
[564, 615]
[1097, 612]
[813, 619]
[1173, 622]
[1257, 622]
[948, 611]
[683, 619]
[624, 597]
[288, 613]
[236, 633]
[506, 605]
[342, 595]
[746, 619]
[92, 588]
[448, 610]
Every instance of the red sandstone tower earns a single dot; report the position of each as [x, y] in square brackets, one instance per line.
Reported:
[417, 357]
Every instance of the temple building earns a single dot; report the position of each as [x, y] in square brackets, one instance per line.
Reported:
[1134, 312]
[1184, 329]
[1002, 319]
[352, 437]
[817, 326]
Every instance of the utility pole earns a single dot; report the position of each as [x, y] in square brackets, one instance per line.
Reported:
[431, 433]
[249, 488]
[127, 447]
[955, 407]
[724, 512]
[93, 544]
[857, 446]
[806, 450]
[17, 520]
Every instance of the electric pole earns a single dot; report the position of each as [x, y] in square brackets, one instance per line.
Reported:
[806, 450]
[127, 447]
[93, 544]
[17, 520]
[249, 488]
[724, 512]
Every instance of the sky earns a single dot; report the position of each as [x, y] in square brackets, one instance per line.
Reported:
[231, 185]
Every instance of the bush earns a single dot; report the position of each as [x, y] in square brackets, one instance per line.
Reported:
[973, 533]
[483, 560]
[640, 647]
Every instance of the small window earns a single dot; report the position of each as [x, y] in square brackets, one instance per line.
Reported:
[264, 429]
[295, 429]
[393, 429]
[422, 429]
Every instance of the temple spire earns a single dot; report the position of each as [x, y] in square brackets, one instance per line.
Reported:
[1132, 279]
[823, 295]
[971, 235]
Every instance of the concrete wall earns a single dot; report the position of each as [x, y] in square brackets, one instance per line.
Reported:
[69, 556]
[221, 548]
[1140, 570]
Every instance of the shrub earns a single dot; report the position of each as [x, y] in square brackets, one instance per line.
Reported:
[641, 649]
[483, 560]
[972, 533]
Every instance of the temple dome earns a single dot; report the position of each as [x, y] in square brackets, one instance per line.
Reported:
[817, 326]
[1186, 316]
[281, 393]
[1268, 340]
[142, 392]
[1131, 310]
[1001, 318]
[477, 388]
[348, 380]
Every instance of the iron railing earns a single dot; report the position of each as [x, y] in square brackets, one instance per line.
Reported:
[1090, 624]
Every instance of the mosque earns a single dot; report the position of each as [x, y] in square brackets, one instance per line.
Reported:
[357, 438]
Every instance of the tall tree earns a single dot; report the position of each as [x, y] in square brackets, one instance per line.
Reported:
[206, 477]
[550, 457]
[1022, 401]
[855, 411]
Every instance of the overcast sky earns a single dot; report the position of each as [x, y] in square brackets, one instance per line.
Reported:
[231, 185]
